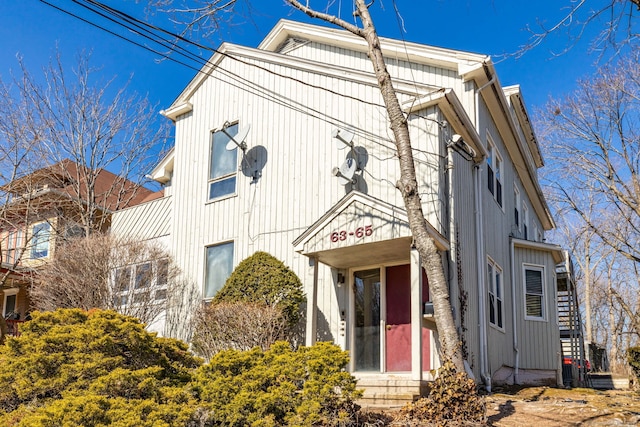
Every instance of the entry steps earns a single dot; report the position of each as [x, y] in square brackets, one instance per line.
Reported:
[389, 392]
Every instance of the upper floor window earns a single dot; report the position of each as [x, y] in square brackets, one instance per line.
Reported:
[516, 209]
[219, 267]
[40, 240]
[534, 292]
[223, 163]
[525, 222]
[13, 245]
[496, 294]
[494, 171]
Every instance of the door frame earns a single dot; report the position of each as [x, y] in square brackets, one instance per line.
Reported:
[383, 313]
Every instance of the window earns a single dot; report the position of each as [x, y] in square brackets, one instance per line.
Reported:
[10, 302]
[516, 209]
[496, 294]
[525, 222]
[223, 163]
[534, 292]
[494, 171]
[149, 281]
[13, 244]
[144, 275]
[40, 240]
[219, 267]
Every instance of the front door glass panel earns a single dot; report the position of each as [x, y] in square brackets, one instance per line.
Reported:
[367, 320]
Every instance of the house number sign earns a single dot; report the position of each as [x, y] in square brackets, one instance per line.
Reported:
[358, 233]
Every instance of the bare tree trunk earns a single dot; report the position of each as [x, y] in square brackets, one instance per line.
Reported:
[408, 184]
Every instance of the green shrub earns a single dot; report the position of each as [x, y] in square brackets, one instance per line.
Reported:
[279, 386]
[452, 400]
[264, 279]
[73, 367]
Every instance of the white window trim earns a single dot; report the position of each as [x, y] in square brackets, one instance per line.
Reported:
[491, 290]
[212, 132]
[129, 294]
[8, 293]
[541, 268]
[525, 222]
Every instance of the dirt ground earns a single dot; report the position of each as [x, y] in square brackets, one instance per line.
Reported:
[551, 407]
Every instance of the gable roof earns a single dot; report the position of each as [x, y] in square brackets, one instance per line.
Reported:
[369, 230]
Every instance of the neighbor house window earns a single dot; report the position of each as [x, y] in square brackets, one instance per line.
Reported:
[496, 294]
[13, 244]
[494, 171]
[534, 292]
[223, 164]
[219, 266]
[40, 240]
[10, 302]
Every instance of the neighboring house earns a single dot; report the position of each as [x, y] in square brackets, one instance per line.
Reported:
[46, 208]
[313, 183]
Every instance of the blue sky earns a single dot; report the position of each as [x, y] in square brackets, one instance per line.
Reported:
[33, 29]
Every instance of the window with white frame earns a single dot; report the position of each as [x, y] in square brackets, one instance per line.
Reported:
[496, 294]
[10, 303]
[41, 234]
[223, 163]
[219, 267]
[494, 171]
[534, 292]
[141, 283]
[525, 222]
[516, 209]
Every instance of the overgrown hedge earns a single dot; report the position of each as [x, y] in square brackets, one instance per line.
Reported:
[99, 368]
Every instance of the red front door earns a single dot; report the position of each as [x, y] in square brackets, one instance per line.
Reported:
[398, 321]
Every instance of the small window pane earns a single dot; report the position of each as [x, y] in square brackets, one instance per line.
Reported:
[219, 267]
[143, 275]
[163, 272]
[534, 289]
[223, 161]
[123, 279]
[40, 240]
[222, 187]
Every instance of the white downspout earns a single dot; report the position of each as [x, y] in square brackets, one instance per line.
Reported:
[481, 262]
[482, 317]
[516, 350]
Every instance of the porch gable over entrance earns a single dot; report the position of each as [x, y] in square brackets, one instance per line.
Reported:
[361, 230]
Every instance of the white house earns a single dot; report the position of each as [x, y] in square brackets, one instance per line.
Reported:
[313, 183]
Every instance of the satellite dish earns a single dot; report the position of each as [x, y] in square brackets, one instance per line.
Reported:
[346, 171]
[343, 138]
[238, 140]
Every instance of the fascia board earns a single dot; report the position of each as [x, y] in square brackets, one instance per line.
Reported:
[519, 107]
[556, 250]
[454, 112]
[413, 52]
[164, 168]
[496, 99]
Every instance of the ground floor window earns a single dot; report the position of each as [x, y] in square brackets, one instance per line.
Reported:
[496, 294]
[218, 268]
[534, 292]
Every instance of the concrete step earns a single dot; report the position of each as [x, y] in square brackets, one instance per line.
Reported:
[389, 392]
[608, 381]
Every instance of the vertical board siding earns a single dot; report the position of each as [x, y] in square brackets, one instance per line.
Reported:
[539, 340]
[145, 221]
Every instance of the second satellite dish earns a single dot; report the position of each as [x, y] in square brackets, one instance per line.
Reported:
[343, 138]
[237, 141]
[346, 171]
